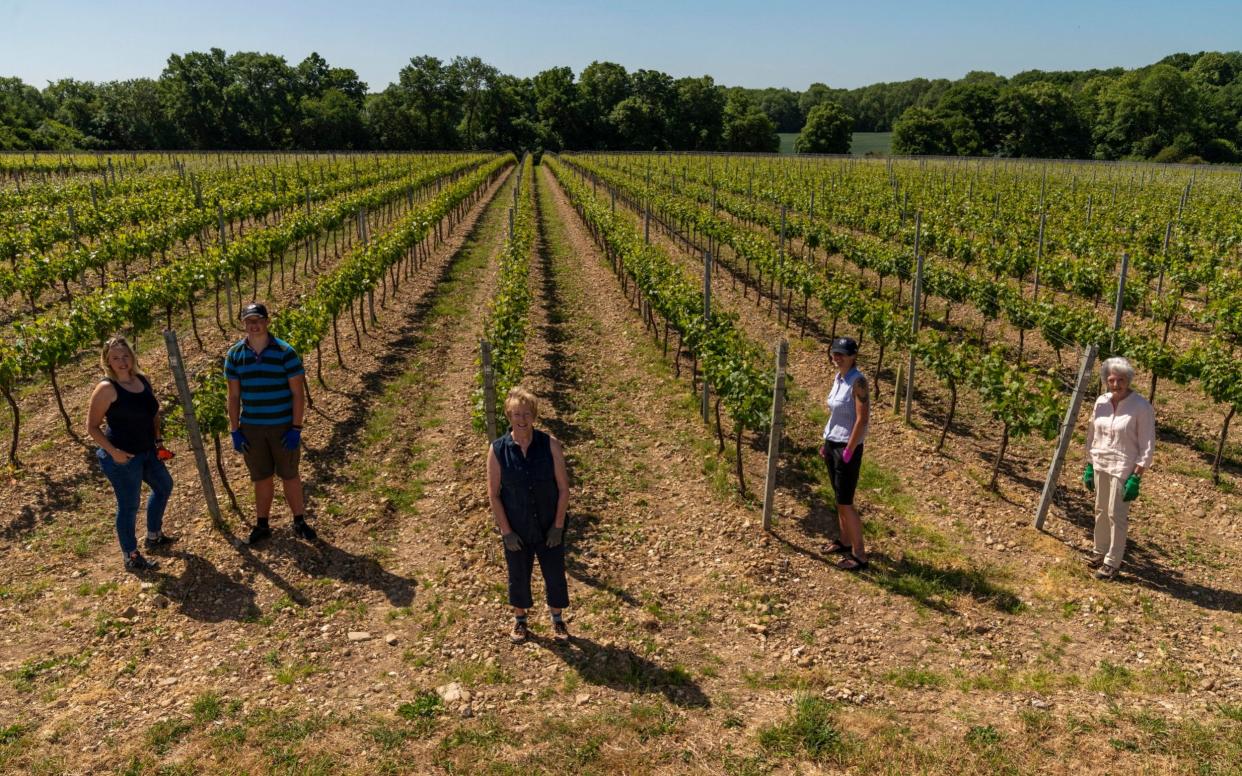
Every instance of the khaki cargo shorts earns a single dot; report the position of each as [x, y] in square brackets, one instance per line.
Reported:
[267, 456]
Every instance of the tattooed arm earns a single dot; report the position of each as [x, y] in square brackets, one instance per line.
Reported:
[862, 413]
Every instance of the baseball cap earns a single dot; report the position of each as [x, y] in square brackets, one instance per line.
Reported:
[845, 346]
[254, 309]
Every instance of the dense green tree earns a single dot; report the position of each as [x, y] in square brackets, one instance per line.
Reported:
[194, 98]
[390, 126]
[921, 131]
[330, 120]
[1040, 120]
[747, 128]
[51, 135]
[262, 98]
[602, 86]
[781, 105]
[815, 94]
[969, 109]
[1143, 112]
[697, 119]
[429, 94]
[875, 108]
[475, 78]
[828, 130]
[641, 121]
[72, 103]
[21, 112]
[132, 114]
[1213, 68]
[558, 109]
[507, 115]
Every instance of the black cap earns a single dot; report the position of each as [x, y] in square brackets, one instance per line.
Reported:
[253, 309]
[845, 346]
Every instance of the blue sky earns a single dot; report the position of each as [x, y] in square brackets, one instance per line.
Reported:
[774, 43]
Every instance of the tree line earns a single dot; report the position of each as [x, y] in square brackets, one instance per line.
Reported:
[1187, 107]
[248, 100]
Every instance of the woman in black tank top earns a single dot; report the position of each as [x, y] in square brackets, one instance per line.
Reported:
[528, 488]
[128, 448]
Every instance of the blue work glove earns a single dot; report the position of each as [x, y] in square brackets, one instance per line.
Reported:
[239, 441]
[292, 438]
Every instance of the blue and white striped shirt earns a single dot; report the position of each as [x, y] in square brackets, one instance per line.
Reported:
[266, 398]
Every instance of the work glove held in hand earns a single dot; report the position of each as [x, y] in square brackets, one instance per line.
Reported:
[513, 542]
[291, 439]
[1132, 488]
[239, 441]
[1088, 477]
[554, 537]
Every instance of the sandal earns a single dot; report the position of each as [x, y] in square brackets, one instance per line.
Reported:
[852, 563]
[837, 548]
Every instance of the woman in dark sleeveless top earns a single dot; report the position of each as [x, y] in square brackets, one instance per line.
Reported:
[528, 488]
[128, 448]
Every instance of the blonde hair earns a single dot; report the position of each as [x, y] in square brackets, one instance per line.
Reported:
[118, 342]
[519, 395]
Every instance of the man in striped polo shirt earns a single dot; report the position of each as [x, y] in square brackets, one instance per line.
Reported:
[267, 400]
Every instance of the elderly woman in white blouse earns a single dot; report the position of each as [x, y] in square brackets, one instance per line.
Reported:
[1121, 436]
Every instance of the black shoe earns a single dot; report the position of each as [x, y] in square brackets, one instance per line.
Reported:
[304, 531]
[136, 563]
[161, 541]
[258, 534]
[559, 631]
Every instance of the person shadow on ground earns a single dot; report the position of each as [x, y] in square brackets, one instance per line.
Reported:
[622, 669]
[322, 559]
[204, 593]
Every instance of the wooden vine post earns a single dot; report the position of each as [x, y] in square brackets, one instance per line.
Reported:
[191, 425]
[489, 388]
[918, 309]
[774, 436]
[1067, 431]
[707, 317]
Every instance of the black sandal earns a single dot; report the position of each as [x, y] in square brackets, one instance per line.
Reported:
[837, 548]
[852, 563]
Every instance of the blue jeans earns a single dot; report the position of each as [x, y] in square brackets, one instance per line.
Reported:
[127, 482]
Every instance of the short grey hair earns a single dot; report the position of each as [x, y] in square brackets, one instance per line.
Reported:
[1116, 366]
